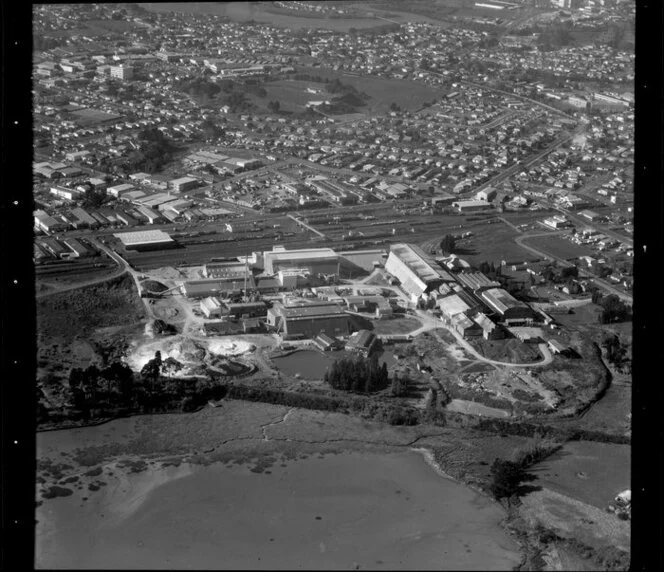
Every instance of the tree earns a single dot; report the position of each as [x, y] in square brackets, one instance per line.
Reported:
[448, 244]
[507, 477]
[94, 198]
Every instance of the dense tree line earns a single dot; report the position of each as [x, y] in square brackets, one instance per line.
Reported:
[358, 374]
[613, 308]
[448, 244]
[155, 150]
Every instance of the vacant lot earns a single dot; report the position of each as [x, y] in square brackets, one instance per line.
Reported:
[509, 350]
[81, 311]
[396, 325]
[556, 246]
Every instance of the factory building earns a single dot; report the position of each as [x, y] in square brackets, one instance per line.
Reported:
[47, 223]
[309, 321]
[512, 311]
[211, 307]
[490, 330]
[465, 327]
[363, 342]
[247, 309]
[119, 190]
[471, 206]
[77, 248]
[82, 219]
[315, 260]
[216, 287]
[476, 281]
[226, 270]
[145, 239]
[417, 272]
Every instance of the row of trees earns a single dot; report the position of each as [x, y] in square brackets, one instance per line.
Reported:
[616, 353]
[358, 374]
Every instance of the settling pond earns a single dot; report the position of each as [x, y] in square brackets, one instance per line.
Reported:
[312, 364]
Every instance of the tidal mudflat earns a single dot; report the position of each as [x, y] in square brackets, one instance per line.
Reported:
[337, 503]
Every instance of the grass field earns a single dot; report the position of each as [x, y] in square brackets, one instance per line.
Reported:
[408, 95]
[86, 117]
[556, 246]
[292, 95]
[593, 473]
[610, 413]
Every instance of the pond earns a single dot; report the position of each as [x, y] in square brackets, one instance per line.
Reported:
[312, 364]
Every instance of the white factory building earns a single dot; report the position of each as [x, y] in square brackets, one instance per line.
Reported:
[417, 272]
[313, 260]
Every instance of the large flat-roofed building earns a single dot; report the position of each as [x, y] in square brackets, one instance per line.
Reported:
[145, 240]
[510, 309]
[183, 184]
[226, 270]
[216, 286]
[315, 260]
[452, 305]
[310, 320]
[122, 72]
[417, 272]
[471, 206]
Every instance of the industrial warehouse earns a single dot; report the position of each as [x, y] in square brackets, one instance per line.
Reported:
[146, 240]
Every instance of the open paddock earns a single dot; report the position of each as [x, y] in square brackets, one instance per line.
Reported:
[558, 247]
[593, 473]
[491, 242]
